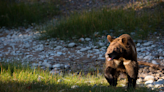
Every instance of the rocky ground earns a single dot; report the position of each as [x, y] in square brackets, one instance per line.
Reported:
[81, 54]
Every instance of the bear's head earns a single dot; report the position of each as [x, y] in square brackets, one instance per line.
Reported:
[120, 47]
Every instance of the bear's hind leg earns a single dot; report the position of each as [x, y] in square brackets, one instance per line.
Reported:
[111, 76]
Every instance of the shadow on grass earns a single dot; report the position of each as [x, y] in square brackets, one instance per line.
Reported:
[20, 86]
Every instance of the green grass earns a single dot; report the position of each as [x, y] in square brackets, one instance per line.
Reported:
[18, 78]
[14, 14]
[121, 21]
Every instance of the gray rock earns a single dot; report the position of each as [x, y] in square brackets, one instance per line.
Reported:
[101, 58]
[152, 46]
[85, 49]
[72, 44]
[138, 44]
[160, 81]
[57, 66]
[149, 82]
[139, 41]
[45, 63]
[101, 44]
[60, 80]
[34, 64]
[81, 39]
[39, 47]
[96, 33]
[160, 50]
[122, 85]
[149, 57]
[132, 33]
[158, 85]
[58, 47]
[1, 55]
[54, 72]
[59, 53]
[149, 77]
[74, 86]
[140, 57]
[67, 66]
[61, 66]
[27, 45]
[87, 39]
[85, 61]
[139, 81]
[150, 86]
[154, 62]
[147, 43]
[161, 57]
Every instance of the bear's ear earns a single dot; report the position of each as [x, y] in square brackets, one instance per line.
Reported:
[124, 40]
[110, 38]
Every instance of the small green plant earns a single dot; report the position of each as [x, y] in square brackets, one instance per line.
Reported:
[23, 13]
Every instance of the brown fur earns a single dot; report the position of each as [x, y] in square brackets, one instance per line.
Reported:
[121, 56]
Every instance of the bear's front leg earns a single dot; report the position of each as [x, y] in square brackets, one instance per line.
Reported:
[132, 71]
[111, 76]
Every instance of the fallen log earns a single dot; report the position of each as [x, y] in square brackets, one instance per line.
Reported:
[155, 66]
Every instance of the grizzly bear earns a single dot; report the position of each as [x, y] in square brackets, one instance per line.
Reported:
[121, 56]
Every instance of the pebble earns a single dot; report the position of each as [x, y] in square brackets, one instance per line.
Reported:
[87, 39]
[149, 82]
[149, 57]
[161, 57]
[59, 53]
[34, 64]
[59, 80]
[45, 63]
[149, 77]
[154, 62]
[160, 81]
[85, 49]
[138, 44]
[160, 50]
[54, 72]
[139, 81]
[67, 66]
[74, 86]
[71, 44]
[81, 39]
[147, 43]
[58, 47]
[57, 66]
[101, 44]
